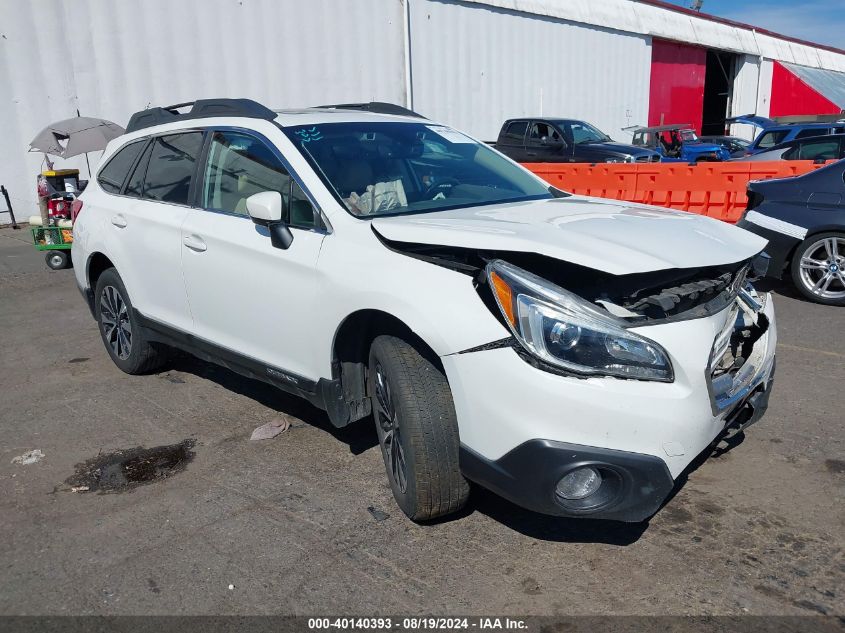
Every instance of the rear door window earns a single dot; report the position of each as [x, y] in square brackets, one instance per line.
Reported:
[171, 169]
[113, 175]
[819, 150]
[770, 139]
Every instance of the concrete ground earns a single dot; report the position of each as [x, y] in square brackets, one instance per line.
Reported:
[283, 526]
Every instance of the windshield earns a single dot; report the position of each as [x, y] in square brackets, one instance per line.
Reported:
[586, 133]
[397, 168]
[688, 136]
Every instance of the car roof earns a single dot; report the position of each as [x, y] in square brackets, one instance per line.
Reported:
[550, 119]
[792, 126]
[282, 118]
[240, 108]
[307, 116]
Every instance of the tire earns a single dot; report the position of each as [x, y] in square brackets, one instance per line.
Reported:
[818, 268]
[57, 260]
[126, 341]
[412, 402]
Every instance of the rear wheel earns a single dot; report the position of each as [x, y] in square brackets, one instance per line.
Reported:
[126, 341]
[818, 268]
[417, 429]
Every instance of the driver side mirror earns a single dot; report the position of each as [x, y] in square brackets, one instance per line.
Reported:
[265, 209]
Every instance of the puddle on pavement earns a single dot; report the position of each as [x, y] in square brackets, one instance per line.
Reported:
[126, 469]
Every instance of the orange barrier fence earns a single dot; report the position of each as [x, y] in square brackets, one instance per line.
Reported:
[713, 189]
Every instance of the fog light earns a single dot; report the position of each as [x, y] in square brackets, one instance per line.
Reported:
[579, 483]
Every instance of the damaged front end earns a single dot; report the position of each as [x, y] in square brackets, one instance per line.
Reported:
[738, 363]
[638, 298]
[578, 321]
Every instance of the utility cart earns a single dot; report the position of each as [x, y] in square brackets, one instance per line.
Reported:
[55, 241]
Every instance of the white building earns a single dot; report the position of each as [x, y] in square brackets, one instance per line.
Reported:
[468, 63]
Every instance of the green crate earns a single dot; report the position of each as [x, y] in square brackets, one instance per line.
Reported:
[51, 238]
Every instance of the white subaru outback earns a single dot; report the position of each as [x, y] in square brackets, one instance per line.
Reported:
[572, 354]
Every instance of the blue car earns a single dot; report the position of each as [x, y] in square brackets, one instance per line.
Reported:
[678, 143]
[773, 133]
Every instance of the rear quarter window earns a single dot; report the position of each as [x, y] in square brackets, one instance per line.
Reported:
[113, 175]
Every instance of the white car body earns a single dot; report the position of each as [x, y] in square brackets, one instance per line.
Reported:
[217, 279]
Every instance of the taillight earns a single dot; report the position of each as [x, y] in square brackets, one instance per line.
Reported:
[75, 209]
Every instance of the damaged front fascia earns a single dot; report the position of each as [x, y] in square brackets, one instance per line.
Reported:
[660, 296]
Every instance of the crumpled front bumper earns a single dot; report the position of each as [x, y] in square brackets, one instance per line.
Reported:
[522, 428]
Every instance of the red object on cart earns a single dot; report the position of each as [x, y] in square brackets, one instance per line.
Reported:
[59, 207]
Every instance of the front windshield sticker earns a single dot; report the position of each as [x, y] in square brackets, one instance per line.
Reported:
[447, 133]
[309, 135]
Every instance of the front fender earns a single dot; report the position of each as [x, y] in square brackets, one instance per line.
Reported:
[439, 305]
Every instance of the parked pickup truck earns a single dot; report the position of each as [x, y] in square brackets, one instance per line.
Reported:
[565, 141]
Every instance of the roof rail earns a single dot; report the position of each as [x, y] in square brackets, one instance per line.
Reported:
[200, 109]
[809, 118]
[379, 107]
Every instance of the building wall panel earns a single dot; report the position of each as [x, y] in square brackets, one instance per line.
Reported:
[764, 96]
[475, 66]
[745, 93]
[133, 54]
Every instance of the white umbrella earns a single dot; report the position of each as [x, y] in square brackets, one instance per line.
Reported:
[75, 136]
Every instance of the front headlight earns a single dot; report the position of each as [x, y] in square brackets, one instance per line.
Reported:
[563, 330]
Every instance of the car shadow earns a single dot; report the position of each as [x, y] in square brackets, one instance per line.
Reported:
[565, 530]
[359, 436]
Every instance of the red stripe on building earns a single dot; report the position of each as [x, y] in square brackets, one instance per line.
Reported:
[790, 95]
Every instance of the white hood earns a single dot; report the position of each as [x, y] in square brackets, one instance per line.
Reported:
[606, 235]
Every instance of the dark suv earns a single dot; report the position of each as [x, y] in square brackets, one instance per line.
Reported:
[565, 141]
[773, 133]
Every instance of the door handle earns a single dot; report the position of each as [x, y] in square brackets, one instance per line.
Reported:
[195, 243]
[119, 221]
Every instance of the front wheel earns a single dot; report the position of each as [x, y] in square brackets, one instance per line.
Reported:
[417, 429]
[818, 268]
